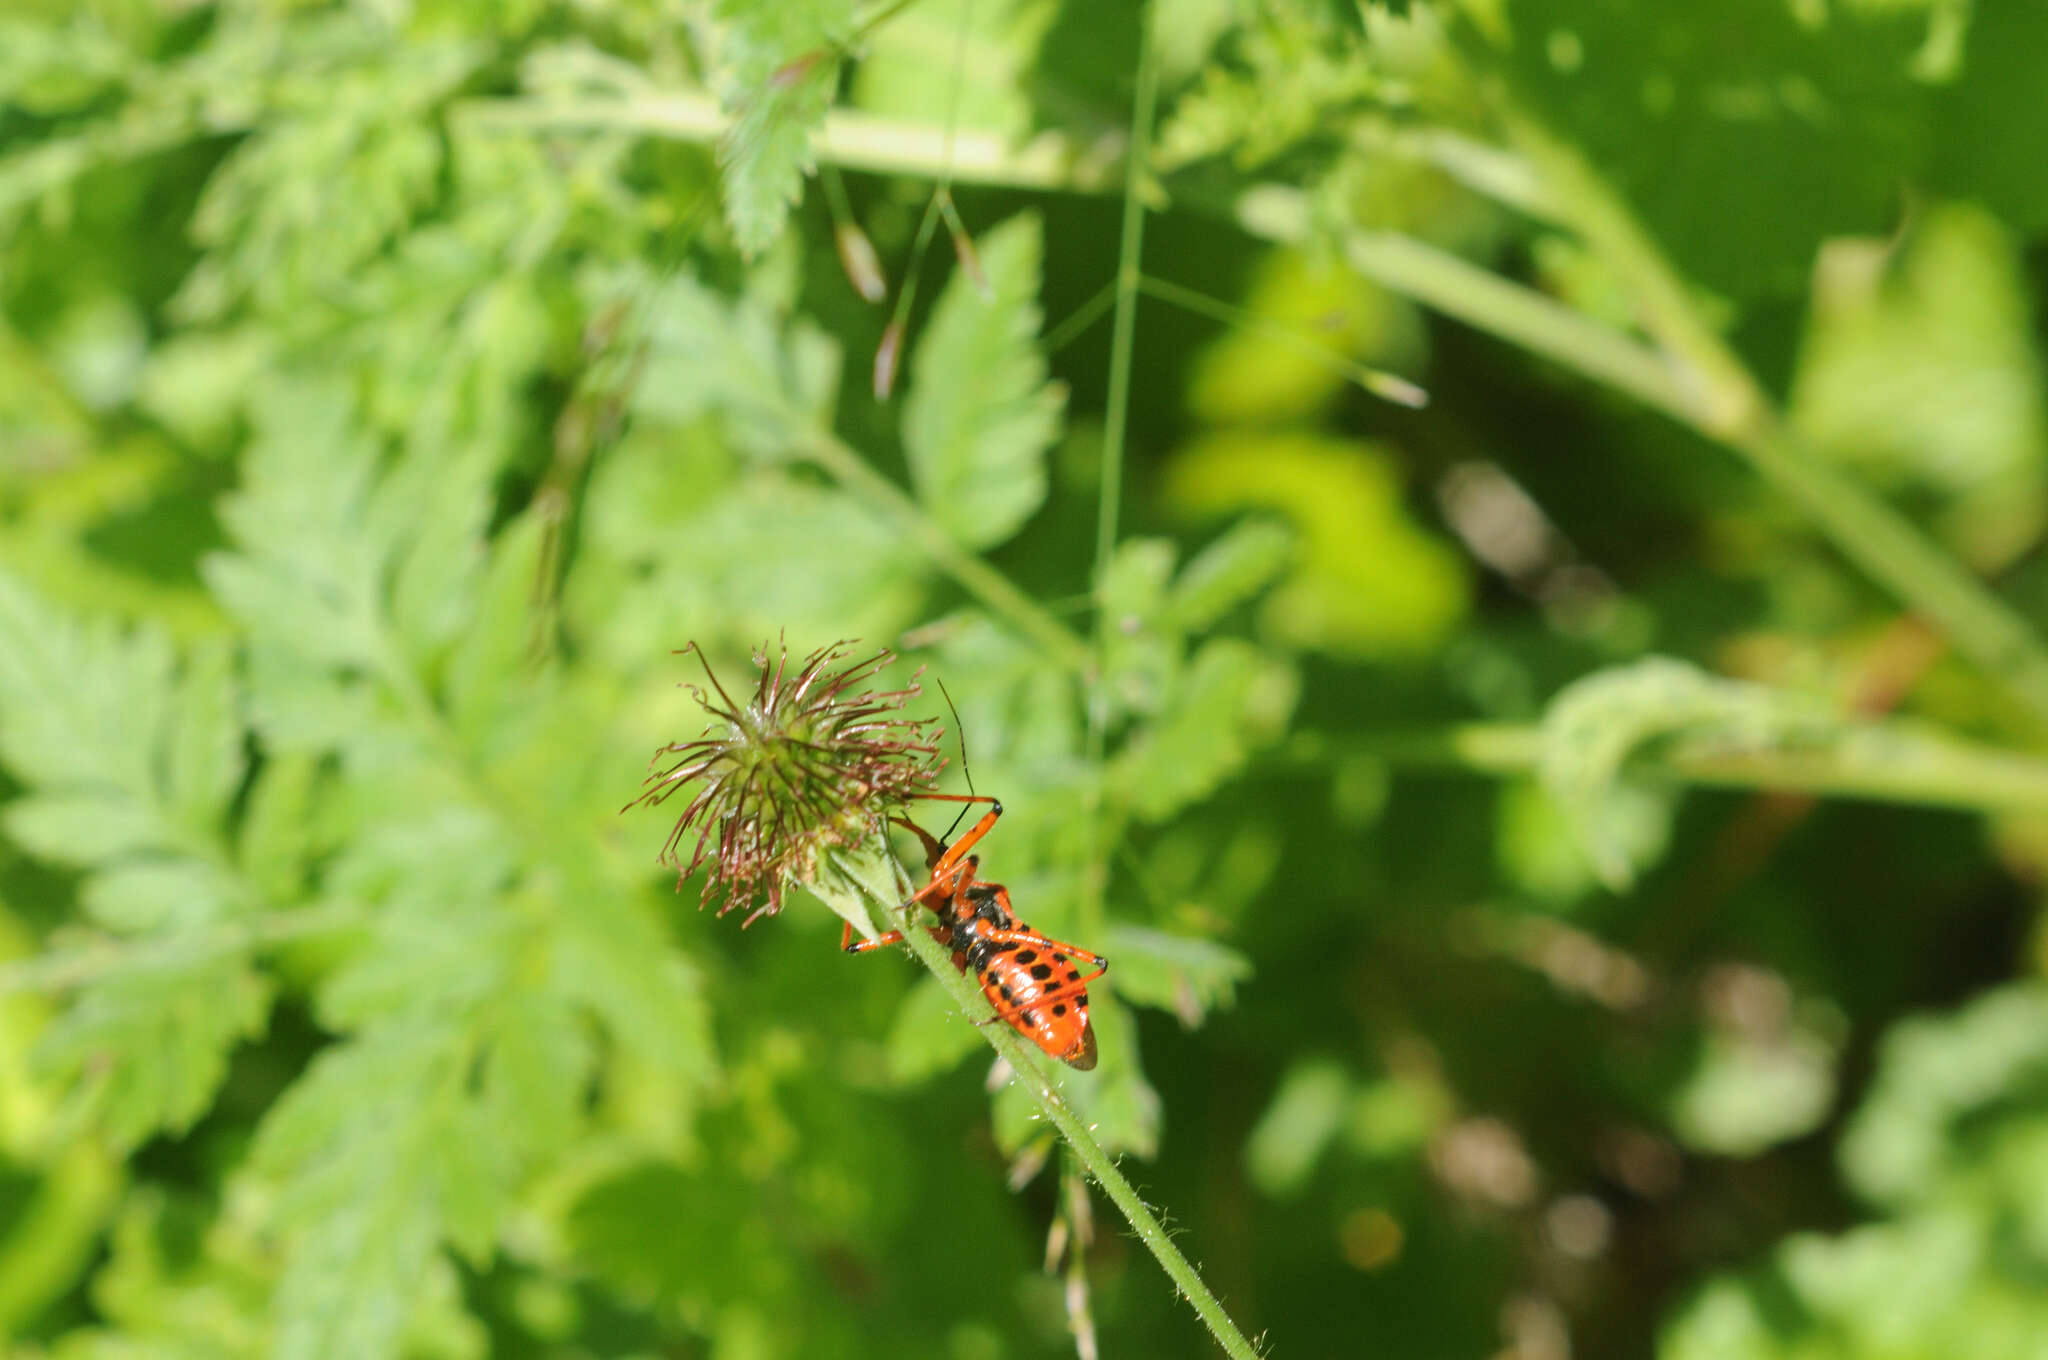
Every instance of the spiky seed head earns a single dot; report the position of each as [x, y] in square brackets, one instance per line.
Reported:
[811, 761]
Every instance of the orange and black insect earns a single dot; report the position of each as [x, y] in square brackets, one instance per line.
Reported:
[1036, 984]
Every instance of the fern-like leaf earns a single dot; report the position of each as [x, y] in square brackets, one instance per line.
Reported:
[980, 414]
[782, 59]
[129, 759]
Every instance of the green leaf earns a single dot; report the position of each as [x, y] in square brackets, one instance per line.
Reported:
[980, 413]
[1237, 566]
[275, 237]
[929, 1034]
[618, 966]
[1119, 1105]
[1944, 1085]
[499, 648]
[773, 380]
[1593, 726]
[434, 506]
[1141, 658]
[195, 382]
[305, 578]
[139, 897]
[1230, 699]
[1923, 373]
[1186, 975]
[204, 758]
[1286, 74]
[129, 763]
[123, 751]
[1312, 322]
[442, 951]
[1367, 582]
[781, 62]
[854, 881]
[277, 832]
[85, 827]
[1934, 1285]
[1540, 848]
[372, 1144]
[536, 1080]
[151, 1042]
[1395, 1117]
[78, 706]
[1747, 1094]
[1306, 1113]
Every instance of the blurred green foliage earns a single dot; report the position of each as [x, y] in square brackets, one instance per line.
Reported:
[386, 389]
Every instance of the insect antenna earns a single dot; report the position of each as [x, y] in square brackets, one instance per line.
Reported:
[960, 736]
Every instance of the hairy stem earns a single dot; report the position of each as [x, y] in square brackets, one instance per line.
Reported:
[1027, 1066]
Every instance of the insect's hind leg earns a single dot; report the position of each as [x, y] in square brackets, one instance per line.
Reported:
[1061, 989]
[972, 837]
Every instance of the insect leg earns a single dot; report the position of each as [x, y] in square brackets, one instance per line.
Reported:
[959, 849]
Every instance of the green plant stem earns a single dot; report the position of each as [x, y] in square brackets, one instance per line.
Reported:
[1387, 386]
[1115, 434]
[1482, 299]
[1130, 264]
[1027, 1067]
[849, 139]
[1729, 405]
[1887, 762]
[975, 576]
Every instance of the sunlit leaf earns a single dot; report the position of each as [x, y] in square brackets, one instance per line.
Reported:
[1228, 572]
[781, 63]
[128, 760]
[980, 413]
[1924, 373]
[1305, 1114]
[1182, 974]
[1366, 582]
[929, 1034]
[151, 1043]
[1229, 700]
[1596, 724]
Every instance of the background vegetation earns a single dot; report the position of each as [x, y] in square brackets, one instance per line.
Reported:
[1569, 850]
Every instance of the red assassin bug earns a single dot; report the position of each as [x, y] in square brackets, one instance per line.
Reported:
[1034, 983]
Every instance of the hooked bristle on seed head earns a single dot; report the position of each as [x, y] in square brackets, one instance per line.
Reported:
[810, 761]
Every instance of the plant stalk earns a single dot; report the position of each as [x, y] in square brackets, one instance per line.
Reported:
[1728, 404]
[1888, 763]
[1027, 1067]
[849, 139]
